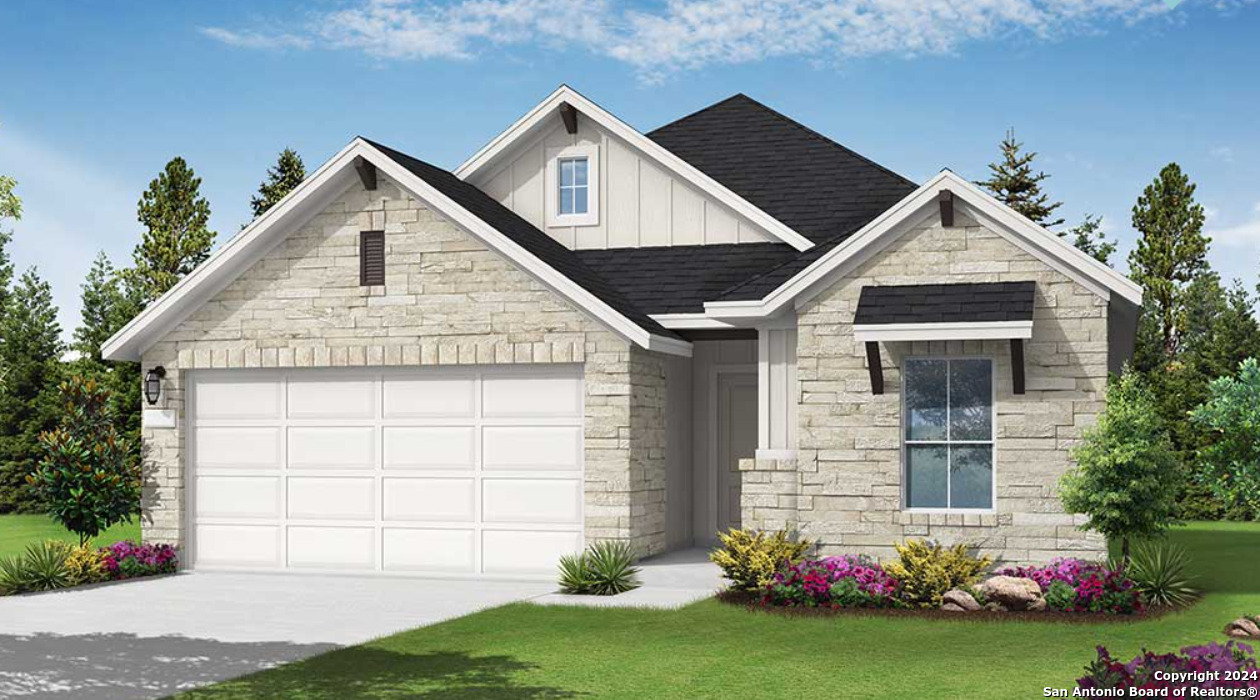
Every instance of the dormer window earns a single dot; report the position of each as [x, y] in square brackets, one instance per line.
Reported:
[574, 186]
[572, 183]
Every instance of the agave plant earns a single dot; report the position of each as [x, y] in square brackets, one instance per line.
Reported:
[45, 566]
[13, 579]
[605, 568]
[573, 574]
[1161, 571]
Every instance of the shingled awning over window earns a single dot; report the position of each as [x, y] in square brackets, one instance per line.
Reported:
[970, 311]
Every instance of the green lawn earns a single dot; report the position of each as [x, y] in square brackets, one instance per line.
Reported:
[711, 650]
[18, 531]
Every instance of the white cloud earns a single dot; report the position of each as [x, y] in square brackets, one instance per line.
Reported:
[1243, 235]
[256, 40]
[684, 34]
[1225, 154]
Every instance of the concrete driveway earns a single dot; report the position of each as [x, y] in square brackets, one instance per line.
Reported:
[148, 639]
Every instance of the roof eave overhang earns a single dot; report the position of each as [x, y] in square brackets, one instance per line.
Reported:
[315, 193]
[912, 332]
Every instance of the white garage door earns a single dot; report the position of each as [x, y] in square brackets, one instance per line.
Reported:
[444, 471]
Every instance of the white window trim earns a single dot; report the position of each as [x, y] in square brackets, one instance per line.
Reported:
[905, 472]
[552, 185]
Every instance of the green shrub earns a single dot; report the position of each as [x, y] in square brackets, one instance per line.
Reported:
[1161, 571]
[1060, 596]
[42, 567]
[928, 570]
[748, 558]
[1230, 461]
[85, 564]
[12, 576]
[605, 568]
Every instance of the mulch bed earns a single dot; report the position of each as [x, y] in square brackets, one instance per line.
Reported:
[752, 602]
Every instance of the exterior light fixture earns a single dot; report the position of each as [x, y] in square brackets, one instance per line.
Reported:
[153, 384]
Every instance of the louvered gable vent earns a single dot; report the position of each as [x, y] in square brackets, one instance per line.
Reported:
[372, 258]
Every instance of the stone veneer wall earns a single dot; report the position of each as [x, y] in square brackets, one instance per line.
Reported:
[447, 300]
[845, 488]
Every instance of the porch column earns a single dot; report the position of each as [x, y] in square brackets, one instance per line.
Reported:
[776, 390]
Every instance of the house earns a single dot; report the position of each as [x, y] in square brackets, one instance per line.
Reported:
[587, 332]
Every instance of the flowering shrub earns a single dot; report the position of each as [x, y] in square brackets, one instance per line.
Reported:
[838, 582]
[1231, 665]
[1097, 588]
[127, 559]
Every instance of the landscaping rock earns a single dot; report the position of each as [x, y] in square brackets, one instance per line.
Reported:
[950, 607]
[960, 599]
[1038, 605]
[1011, 592]
[1242, 627]
[995, 607]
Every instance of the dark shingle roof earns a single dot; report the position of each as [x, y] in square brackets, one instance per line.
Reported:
[946, 303]
[680, 279]
[800, 177]
[545, 248]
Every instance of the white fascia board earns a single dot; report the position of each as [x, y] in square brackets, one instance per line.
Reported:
[690, 321]
[898, 332]
[1038, 242]
[589, 110]
[224, 264]
[247, 246]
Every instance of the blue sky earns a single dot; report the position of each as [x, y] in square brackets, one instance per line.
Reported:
[96, 97]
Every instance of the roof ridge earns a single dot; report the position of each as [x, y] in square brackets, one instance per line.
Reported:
[828, 140]
[688, 115]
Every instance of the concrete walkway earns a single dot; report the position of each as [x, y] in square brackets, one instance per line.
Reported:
[669, 581]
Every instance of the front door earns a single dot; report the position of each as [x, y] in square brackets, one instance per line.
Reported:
[736, 440]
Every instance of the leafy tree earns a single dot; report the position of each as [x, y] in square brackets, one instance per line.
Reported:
[176, 239]
[1088, 237]
[1013, 181]
[31, 354]
[1126, 474]
[1231, 461]
[1171, 251]
[288, 172]
[88, 478]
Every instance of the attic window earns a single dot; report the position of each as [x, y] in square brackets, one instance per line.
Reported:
[371, 258]
[572, 183]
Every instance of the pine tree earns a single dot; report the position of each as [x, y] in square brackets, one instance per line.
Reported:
[1013, 182]
[1171, 251]
[31, 355]
[176, 238]
[102, 297]
[1088, 237]
[289, 172]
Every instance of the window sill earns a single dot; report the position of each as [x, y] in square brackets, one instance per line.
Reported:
[558, 221]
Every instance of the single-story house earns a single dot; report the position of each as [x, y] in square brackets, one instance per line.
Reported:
[585, 332]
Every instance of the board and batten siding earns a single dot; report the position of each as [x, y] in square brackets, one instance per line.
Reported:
[641, 204]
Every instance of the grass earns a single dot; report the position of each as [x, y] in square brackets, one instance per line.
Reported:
[18, 531]
[712, 650]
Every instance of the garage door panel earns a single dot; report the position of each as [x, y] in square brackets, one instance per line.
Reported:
[238, 496]
[429, 397]
[332, 547]
[436, 550]
[430, 447]
[238, 545]
[333, 498]
[239, 398]
[430, 499]
[238, 448]
[332, 448]
[531, 501]
[334, 398]
[532, 447]
[524, 396]
[525, 552]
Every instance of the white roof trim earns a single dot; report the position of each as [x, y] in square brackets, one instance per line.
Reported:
[589, 110]
[986, 330]
[1034, 239]
[685, 321]
[233, 258]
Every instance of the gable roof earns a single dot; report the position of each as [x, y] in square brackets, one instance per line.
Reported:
[749, 147]
[475, 212]
[679, 279]
[546, 113]
[812, 270]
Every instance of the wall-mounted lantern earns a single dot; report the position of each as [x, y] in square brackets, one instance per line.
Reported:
[153, 384]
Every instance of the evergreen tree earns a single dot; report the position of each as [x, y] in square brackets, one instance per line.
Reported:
[1013, 182]
[289, 172]
[176, 238]
[1171, 251]
[31, 354]
[1088, 237]
[102, 298]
